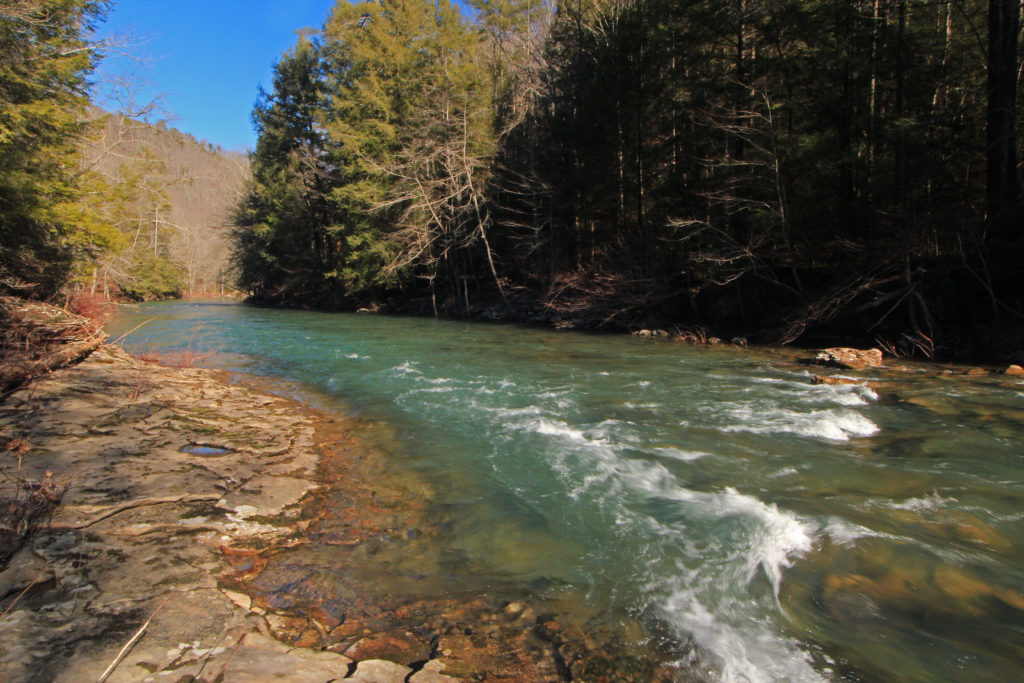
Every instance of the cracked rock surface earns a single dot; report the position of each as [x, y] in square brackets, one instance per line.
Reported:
[170, 472]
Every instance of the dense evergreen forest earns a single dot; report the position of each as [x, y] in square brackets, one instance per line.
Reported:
[793, 170]
[95, 202]
[784, 170]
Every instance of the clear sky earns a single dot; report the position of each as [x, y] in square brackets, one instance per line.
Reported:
[207, 57]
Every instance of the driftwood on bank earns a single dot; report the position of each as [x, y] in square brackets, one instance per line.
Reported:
[36, 338]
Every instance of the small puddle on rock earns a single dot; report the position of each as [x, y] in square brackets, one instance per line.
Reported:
[207, 451]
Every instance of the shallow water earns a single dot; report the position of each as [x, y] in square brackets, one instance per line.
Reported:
[755, 525]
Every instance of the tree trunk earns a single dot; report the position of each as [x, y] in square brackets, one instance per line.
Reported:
[1003, 25]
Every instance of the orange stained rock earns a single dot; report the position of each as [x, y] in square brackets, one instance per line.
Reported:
[310, 638]
[976, 530]
[1011, 597]
[960, 585]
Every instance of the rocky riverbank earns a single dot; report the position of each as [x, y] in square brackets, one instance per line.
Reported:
[203, 530]
[172, 475]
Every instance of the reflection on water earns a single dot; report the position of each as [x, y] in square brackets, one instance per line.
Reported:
[713, 505]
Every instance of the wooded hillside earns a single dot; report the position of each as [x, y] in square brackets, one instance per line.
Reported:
[178, 197]
[789, 169]
[93, 201]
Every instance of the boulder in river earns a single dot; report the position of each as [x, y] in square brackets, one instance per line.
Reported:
[849, 359]
[826, 379]
[1015, 371]
[650, 333]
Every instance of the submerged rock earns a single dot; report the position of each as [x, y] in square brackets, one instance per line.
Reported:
[828, 379]
[395, 646]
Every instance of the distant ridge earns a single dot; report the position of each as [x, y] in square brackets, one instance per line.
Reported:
[191, 188]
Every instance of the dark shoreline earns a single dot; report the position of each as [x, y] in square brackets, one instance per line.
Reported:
[958, 361]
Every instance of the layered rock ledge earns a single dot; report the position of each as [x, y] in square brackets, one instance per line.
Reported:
[170, 474]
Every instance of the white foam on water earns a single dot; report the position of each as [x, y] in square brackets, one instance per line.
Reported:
[437, 380]
[848, 398]
[613, 432]
[709, 593]
[506, 413]
[711, 603]
[784, 472]
[406, 368]
[720, 592]
[843, 532]
[555, 394]
[355, 356]
[584, 457]
[850, 394]
[560, 399]
[866, 391]
[559, 429]
[931, 502]
[742, 652]
[680, 454]
[769, 380]
[841, 394]
[431, 390]
[836, 424]
[735, 634]
[779, 535]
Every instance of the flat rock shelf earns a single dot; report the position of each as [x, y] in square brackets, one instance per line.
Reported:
[188, 546]
[173, 475]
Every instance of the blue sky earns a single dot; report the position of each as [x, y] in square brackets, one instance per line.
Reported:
[207, 57]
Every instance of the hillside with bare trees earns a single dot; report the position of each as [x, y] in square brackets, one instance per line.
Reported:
[171, 197]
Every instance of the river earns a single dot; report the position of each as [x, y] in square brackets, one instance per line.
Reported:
[748, 522]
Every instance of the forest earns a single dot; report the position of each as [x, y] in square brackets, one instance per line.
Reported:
[110, 205]
[786, 170]
[173, 199]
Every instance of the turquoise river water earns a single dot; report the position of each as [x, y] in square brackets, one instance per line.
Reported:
[770, 528]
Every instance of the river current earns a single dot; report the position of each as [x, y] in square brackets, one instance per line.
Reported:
[759, 526]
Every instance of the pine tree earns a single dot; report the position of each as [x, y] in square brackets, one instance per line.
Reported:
[285, 247]
[45, 61]
[410, 111]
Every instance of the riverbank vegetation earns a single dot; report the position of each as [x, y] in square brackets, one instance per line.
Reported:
[109, 204]
[790, 170]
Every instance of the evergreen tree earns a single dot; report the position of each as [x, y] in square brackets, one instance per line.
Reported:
[287, 251]
[45, 61]
[790, 165]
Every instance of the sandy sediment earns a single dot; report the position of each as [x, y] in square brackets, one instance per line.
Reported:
[173, 474]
